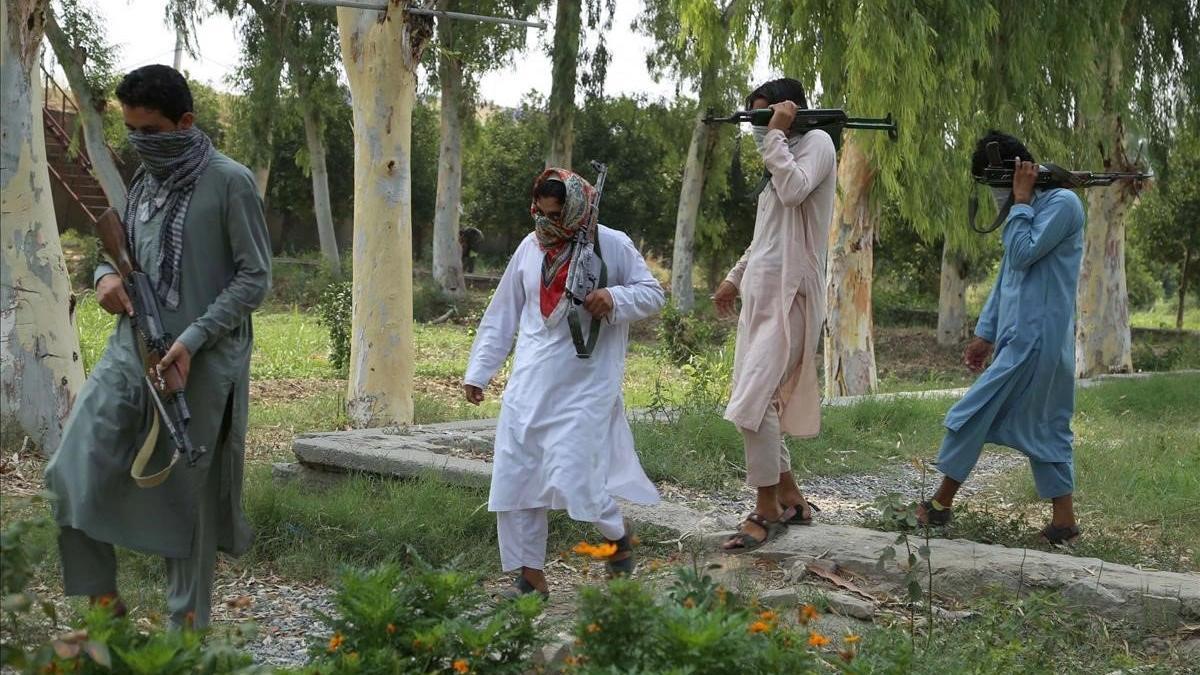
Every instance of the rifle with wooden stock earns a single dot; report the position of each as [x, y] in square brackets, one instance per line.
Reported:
[164, 386]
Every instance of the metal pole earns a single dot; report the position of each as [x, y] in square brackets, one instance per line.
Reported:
[380, 6]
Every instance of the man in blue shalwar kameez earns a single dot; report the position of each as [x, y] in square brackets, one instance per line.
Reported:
[1026, 397]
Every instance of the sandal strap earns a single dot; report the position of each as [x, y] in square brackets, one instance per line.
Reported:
[758, 520]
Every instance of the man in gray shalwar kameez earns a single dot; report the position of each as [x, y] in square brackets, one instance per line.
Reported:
[195, 224]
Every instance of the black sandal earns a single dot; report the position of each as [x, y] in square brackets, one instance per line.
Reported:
[621, 563]
[747, 542]
[933, 516]
[797, 517]
[521, 587]
[1061, 536]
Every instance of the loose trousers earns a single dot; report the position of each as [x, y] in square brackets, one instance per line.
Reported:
[523, 534]
[767, 454]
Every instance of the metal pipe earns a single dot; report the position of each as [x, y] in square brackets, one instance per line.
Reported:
[421, 11]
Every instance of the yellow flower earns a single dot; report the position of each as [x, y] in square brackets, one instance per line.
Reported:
[851, 639]
[760, 627]
[605, 550]
[593, 628]
[335, 642]
[462, 666]
[391, 629]
[817, 640]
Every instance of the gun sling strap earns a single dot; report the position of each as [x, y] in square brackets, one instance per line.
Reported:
[146, 451]
[584, 349]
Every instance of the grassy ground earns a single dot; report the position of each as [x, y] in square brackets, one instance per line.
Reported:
[1163, 315]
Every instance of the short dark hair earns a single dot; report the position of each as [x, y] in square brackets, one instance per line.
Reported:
[777, 91]
[157, 87]
[1010, 148]
[551, 187]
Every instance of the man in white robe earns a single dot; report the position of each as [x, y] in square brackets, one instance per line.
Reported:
[562, 441]
[781, 280]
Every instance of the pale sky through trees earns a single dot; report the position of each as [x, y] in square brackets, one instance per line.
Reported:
[138, 29]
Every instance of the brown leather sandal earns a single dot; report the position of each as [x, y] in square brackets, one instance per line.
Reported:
[744, 541]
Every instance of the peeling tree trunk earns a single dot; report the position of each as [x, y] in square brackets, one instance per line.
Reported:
[381, 51]
[849, 341]
[40, 369]
[104, 167]
[564, 76]
[447, 256]
[695, 172]
[315, 141]
[952, 298]
[1103, 341]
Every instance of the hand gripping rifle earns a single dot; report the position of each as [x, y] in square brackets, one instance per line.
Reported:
[586, 272]
[999, 173]
[832, 121]
[165, 389]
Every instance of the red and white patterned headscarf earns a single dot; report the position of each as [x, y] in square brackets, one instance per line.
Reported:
[554, 236]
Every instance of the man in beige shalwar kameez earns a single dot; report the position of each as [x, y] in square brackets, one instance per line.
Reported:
[781, 280]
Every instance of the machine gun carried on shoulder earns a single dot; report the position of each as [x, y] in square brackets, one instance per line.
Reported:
[999, 173]
[164, 388]
[830, 120]
[586, 272]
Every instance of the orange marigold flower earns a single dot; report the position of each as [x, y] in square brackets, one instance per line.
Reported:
[689, 603]
[335, 642]
[760, 627]
[571, 661]
[391, 629]
[851, 639]
[809, 613]
[605, 550]
[462, 666]
[593, 628]
[817, 640]
[768, 615]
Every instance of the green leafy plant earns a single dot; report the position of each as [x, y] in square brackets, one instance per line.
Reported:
[336, 310]
[423, 619]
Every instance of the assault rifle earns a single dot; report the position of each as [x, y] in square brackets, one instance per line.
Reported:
[586, 272]
[165, 389]
[832, 121]
[999, 173]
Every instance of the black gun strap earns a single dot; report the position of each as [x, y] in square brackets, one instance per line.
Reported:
[584, 349]
[973, 209]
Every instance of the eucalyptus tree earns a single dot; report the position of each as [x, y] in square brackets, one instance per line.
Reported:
[565, 56]
[40, 368]
[916, 60]
[705, 44]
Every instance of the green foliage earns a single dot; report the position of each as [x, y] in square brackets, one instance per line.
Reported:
[86, 33]
[337, 309]
[697, 628]
[685, 336]
[423, 620]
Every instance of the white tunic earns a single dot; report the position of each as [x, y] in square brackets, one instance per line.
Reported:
[562, 441]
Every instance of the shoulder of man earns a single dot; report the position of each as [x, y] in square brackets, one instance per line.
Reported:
[819, 138]
[232, 173]
[1066, 202]
[617, 236]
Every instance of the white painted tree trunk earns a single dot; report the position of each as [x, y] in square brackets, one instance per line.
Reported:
[447, 255]
[40, 368]
[849, 340]
[691, 195]
[381, 51]
[952, 298]
[104, 167]
[320, 184]
[1103, 343]
[564, 75]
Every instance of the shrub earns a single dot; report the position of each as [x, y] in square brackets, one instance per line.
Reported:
[424, 620]
[82, 253]
[684, 336]
[336, 309]
[697, 627]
